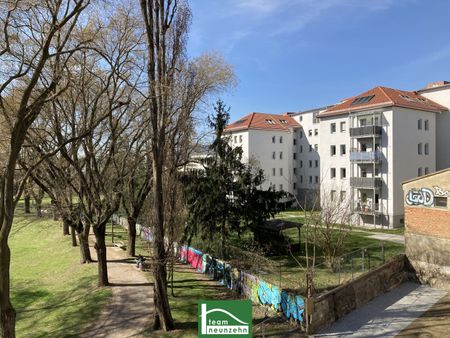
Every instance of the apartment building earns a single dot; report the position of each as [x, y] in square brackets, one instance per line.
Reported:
[269, 142]
[360, 150]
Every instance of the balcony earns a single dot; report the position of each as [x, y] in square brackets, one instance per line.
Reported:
[366, 182]
[366, 131]
[365, 156]
[368, 209]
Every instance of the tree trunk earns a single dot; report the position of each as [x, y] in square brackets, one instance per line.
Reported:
[39, 208]
[100, 247]
[163, 316]
[8, 314]
[65, 227]
[83, 239]
[27, 199]
[73, 235]
[131, 247]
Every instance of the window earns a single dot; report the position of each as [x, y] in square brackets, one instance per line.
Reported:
[310, 132]
[269, 121]
[426, 170]
[343, 173]
[317, 179]
[333, 172]
[240, 138]
[316, 132]
[301, 178]
[281, 139]
[273, 172]
[419, 124]
[235, 139]
[343, 149]
[301, 164]
[281, 187]
[273, 155]
[301, 149]
[301, 118]
[440, 202]
[362, 122]
[316, 163]
[310, 179]
[273, 139]
[362, 99]
[333, 150]
[426, 125]
[281, 171]
[295, 141]
[295, 156]
[419, 148]
[295, 186]
[282, 121]
[310, 148]
[419, 171]
[301, 134]
[333, 128]
[316, 147]
[343, 195]
[295, 171]
[315, 119]
[333, 195]
[281, 155]
[310, 163]
[343, 126]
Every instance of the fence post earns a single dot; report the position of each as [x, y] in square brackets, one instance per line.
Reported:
[382, 251]
[352, 265]
[362, 252]
[368, 257]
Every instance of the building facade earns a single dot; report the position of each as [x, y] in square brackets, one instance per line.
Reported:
[360, 150]
[269, 142]
[427, 227]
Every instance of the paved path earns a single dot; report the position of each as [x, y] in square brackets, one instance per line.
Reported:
[385, 237]
[129, 311]
[387, 315]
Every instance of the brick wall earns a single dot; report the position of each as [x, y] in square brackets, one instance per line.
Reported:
[428, 221]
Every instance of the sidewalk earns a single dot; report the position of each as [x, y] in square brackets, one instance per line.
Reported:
[130, 310]
[389, 314]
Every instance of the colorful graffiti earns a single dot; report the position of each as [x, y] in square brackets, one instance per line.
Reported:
[293, 306]
[269, 295]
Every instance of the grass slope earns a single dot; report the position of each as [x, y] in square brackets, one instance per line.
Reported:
[53, 294]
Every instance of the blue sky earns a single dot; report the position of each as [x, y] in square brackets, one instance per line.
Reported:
[291, 55]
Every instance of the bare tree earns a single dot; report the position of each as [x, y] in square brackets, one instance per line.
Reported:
[35, 48]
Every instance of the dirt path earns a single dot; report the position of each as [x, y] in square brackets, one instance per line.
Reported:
[129, 311]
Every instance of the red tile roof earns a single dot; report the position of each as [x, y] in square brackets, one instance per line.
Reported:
[382, 97]
[264, 122]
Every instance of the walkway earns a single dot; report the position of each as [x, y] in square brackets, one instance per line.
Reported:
[129, 311]
[389, 314]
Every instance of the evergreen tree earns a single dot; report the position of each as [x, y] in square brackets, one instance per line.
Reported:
[226, 196]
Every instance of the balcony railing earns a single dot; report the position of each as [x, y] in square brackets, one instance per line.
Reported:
[365, 156]
[368, 209]
[366, 131]
[366, 182]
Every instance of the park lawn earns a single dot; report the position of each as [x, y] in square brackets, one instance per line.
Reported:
[53, 294]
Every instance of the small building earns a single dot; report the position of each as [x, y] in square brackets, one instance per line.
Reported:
[427, 227]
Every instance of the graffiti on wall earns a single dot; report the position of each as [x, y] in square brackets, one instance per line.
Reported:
[422, 196]
[440, 192]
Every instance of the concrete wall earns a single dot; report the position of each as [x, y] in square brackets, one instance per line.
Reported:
[335, 304]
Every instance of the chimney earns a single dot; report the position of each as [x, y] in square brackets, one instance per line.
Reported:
[437, 84]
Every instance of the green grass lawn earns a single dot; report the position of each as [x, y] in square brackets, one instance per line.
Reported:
[53, 294]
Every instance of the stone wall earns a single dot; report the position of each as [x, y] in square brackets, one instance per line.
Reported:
[340, 301]
[430, 257]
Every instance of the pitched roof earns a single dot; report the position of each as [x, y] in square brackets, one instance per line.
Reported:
[382, 97]
[264, 122]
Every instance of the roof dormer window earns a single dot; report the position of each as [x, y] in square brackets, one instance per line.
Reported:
[270, 121]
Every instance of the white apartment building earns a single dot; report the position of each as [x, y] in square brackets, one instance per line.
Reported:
[269, 142]
[366, 146]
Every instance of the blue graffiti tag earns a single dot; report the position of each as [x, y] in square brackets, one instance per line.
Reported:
[269, 294]
[293, 307]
